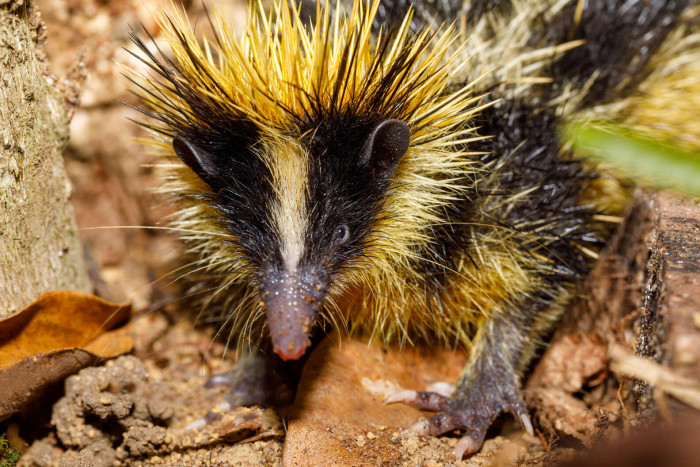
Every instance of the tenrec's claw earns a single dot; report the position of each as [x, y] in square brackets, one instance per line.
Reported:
[197, 424]
[465, 445]
[527, 423]
[421, 400]
[420, 427]
[405, 396]
[218, 380]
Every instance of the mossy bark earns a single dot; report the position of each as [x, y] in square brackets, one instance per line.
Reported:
[39, 247]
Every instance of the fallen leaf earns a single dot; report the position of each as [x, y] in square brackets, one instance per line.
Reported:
[251, 426]
[53, 337]
[340, 400]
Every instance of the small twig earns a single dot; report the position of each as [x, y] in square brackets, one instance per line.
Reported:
[664, 380]
[543, 439]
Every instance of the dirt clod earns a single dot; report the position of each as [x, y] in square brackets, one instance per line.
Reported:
[120, 414]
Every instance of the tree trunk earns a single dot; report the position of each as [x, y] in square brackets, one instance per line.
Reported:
[39, 247]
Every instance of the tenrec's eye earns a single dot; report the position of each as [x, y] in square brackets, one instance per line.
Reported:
[342, 234]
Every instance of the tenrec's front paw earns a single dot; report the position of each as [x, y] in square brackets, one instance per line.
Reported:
[473, 413]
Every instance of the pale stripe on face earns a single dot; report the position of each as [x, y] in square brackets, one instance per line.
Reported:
[288, 164]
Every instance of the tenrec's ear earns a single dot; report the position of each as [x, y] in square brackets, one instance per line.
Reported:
[385, 147]
[196, 159]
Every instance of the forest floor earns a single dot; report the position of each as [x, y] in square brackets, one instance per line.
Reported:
[146, 408]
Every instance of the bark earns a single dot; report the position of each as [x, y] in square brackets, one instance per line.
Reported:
[668, 328]
[643, 295]
[39, 247]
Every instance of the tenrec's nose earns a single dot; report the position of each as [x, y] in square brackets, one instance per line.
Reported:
[291, 303]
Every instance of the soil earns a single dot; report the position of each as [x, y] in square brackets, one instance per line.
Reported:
[150, 408]
[143, 409]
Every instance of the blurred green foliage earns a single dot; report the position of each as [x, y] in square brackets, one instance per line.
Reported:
[658, 163]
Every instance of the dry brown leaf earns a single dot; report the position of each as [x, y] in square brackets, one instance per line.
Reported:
[53, 337]
[339, 415]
